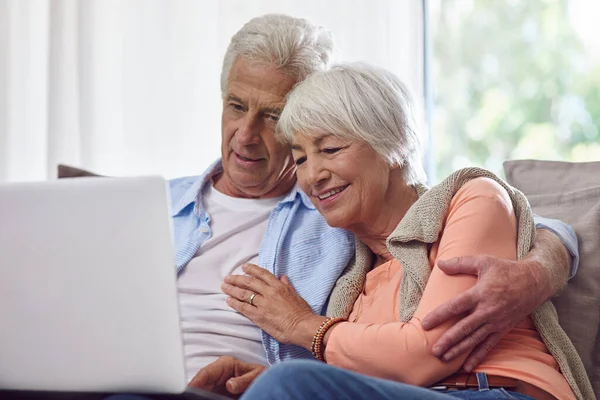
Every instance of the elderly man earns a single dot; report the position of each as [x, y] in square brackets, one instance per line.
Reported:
[246, 208]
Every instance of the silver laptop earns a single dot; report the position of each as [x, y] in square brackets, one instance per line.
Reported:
[88, 299]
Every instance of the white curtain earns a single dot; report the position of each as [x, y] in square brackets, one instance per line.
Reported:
[131, 87]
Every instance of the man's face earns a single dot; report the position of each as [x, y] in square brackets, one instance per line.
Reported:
[255, 164]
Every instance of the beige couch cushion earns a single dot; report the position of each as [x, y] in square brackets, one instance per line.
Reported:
[571, 192]
[549, 177]
[66, 171]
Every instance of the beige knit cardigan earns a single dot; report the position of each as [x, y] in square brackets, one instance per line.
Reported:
[409, 242]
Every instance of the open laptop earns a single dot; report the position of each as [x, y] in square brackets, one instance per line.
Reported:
[88, 298]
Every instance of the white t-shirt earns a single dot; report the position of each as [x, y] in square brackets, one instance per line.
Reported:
[210, 327]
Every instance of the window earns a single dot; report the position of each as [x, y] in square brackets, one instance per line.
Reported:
[513, 79]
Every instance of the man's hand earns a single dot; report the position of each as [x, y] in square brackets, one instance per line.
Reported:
[227, 376]
[506, 292]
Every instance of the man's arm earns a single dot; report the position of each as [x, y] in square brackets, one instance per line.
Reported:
[505, 293]
[565, 234]
[550, 263]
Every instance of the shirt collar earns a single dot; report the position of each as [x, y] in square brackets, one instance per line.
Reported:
[191, 196]
[291, 196]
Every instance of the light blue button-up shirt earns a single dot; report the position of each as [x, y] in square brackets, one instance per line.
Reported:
[297, 243]
[567, 236]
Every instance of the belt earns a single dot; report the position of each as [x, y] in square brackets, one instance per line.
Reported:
[466, 381]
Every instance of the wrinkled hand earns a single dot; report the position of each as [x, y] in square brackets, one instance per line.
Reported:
[227, 376]
[504, 295]
[277, 308]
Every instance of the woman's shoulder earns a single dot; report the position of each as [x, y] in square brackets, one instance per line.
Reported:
[482, 188]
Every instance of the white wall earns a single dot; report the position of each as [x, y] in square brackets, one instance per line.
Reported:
[132, 87]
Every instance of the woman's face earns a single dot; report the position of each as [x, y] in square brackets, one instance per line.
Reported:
[347, 181]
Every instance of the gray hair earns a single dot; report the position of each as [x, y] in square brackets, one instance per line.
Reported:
[357, 101]
[294, 45]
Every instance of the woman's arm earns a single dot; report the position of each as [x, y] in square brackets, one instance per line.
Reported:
[480, 221]
[527, 283]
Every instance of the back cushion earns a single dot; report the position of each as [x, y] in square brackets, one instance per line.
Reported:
[571, 192]
[65, 171]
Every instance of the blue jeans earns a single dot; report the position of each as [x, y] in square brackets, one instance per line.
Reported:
[302, 379]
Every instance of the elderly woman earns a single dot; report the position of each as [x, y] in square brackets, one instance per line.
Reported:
[355, 145]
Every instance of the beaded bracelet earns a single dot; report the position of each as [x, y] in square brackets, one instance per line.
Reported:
[317, 342]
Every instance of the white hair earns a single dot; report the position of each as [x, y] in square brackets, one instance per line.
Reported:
[294, 45]
[357, 101]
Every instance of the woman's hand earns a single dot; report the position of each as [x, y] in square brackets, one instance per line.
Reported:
[273, 305]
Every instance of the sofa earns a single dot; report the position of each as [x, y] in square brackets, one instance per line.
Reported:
[569, 192]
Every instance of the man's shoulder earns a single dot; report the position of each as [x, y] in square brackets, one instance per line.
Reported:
[179, 186]
[309, 225]
[183, 182]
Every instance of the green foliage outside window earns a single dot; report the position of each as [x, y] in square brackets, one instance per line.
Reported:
[514, 79]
